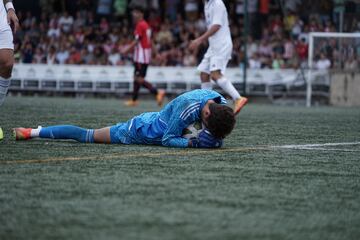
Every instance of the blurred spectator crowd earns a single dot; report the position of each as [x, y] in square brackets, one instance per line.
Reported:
[278, 35]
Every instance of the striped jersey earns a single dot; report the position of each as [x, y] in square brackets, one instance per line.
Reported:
[142, 52]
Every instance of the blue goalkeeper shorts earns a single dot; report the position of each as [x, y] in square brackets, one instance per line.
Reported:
[143, 129]
[120, 133]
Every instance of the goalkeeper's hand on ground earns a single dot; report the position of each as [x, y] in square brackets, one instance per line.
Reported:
[206, 140]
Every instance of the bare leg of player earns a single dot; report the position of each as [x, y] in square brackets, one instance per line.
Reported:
[205, 81]
[102, 135]
[228, 87]
[6, 65]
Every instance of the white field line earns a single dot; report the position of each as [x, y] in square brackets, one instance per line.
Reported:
[323, 149]
[311, 147]
[316, 146]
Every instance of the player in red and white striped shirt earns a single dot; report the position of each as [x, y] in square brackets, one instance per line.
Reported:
[142, 57]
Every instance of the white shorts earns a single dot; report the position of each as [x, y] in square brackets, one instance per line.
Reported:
[210, 64]
[6, 39]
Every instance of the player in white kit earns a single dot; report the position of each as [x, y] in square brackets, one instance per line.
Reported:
[9, 23]
[214, 63]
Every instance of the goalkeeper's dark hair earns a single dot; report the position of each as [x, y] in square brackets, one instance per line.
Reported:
[221, 120]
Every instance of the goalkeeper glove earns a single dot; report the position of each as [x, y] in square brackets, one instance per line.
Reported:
[206, 140]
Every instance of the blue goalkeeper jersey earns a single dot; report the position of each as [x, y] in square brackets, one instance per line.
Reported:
[165, 127]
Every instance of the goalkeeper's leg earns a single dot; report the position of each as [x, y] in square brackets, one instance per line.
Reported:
[65, 132]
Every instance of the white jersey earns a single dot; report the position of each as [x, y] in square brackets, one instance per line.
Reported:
[220, 42]
[6, 36]
[3, 17]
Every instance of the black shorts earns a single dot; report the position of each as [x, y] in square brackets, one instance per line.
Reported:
[140, 69]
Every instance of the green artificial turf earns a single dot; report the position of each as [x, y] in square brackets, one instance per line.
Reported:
[253, 188]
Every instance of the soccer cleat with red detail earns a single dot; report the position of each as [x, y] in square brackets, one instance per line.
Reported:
[239, 104]
[22, 133]
[160, 97]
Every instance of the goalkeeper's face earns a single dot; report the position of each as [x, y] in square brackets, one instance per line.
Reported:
[205, 112]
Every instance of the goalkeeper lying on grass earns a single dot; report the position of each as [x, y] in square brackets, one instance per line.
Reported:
[156, 128]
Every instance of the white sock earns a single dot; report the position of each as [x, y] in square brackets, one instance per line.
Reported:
[35, 132]
[228, 87]
[207, 85]
[4, 86]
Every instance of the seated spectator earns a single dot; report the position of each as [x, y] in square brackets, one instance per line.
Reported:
[164, 36]
[329, 27]
[254, 62]
[276, 24]
[114, 57]
[53, 20]
[28, 21]
[296, 29]
[79, 21]
[66, 22]
[351, 64]
[34, 32]
[278, 46]
[28, 53]
[114, 35]
[54, 31]
[189, 59]
[200, 24]
[87, 57]
[51, 56]
[302, 49]
[63, 55]
[314, 26]
[108, 46]
[289, 49]
[90, 19]
[290, 20]
[75, 56]
[39, 56]
[100, 57]
[104, 26]
[79, 35]
[252, 47]
[278, 62]
[265, 48]
[323, 63]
